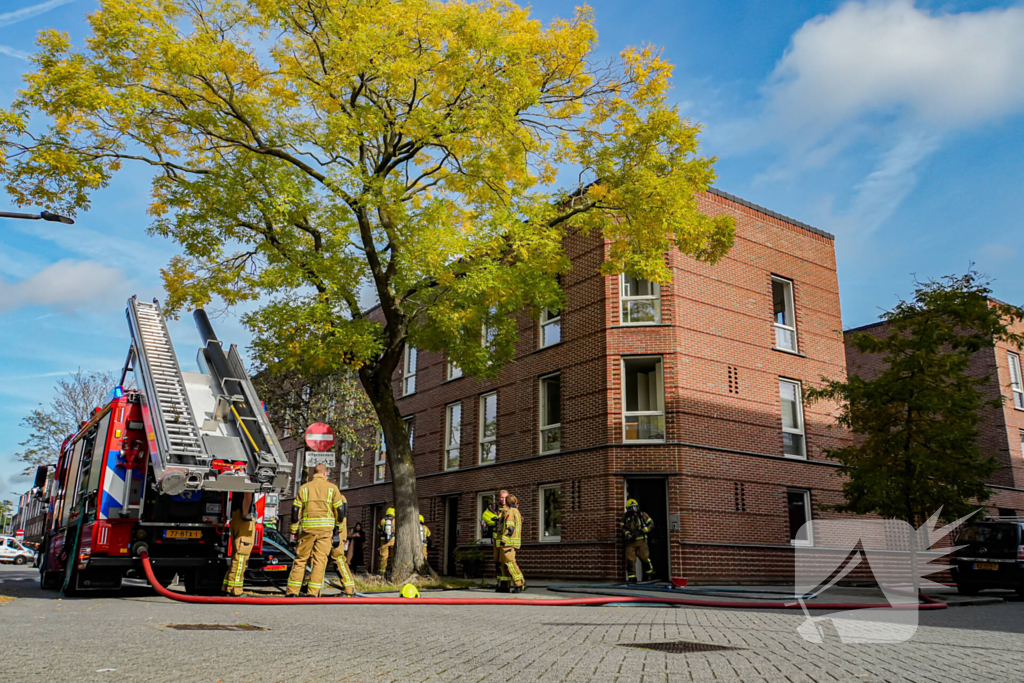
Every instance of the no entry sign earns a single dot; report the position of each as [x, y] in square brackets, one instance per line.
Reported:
[320, 437]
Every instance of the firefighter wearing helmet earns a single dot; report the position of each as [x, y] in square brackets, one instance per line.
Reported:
[489, 529]
[424, 537]
[243, 535]
[386, 533]
[636, 526]
[319, 508]
[509, 534]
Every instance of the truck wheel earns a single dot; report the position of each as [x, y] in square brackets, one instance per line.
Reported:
[203, 582]
[20, 559]
[967, 589]
[49, 581]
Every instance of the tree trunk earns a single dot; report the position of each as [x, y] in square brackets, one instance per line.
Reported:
[407, 555]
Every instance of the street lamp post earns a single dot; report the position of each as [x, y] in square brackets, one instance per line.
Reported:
[42, 215]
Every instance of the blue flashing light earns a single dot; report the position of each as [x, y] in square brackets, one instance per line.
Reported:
[117, 392]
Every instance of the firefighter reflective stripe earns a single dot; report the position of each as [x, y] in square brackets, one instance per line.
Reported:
[511, 528]
[318, 523]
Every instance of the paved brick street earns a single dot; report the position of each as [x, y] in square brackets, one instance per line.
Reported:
[73, 639]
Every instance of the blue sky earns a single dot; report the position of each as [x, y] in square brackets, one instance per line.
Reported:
[889, 123]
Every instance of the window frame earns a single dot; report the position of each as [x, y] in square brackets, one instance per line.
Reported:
[541, 508]
[410, 429]
[802, 432]
[344, 467]
[808, 517]
[410, 357]
[479, 515]
[380, 459]
[624, 299]
[448, 448]
[640, 413]
[548, 320]
[790, 293]
[1016, 382]
[543, 409]
[452, 371]
[300, 457]
[490, 440]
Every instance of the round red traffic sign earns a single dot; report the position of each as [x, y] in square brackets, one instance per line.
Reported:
[320, 437]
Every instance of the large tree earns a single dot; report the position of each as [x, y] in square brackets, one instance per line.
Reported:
[916, 418]
[74, 399]
[433, 153]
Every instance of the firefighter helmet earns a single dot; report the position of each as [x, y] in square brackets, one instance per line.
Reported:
[421, 519]
[390, 512]
[410, 591]
[631, 504]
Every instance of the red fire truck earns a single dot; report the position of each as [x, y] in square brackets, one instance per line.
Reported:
[160, 467]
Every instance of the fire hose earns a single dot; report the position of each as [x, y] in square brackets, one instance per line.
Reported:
[550, 602]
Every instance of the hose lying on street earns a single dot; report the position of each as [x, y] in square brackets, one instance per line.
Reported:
[547, 602]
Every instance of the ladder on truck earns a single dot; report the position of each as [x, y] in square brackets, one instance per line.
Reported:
[173, 427]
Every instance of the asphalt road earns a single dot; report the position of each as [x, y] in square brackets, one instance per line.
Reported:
[132, 637]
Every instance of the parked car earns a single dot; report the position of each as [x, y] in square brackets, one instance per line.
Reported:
[12, 550]
[991, 556]
[272, 566]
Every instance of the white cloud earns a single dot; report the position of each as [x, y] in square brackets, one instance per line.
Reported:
[8, 18]
[65, 284]
[890, 58]
[12, 52]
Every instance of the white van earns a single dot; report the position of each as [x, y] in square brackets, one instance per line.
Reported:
[11, 550]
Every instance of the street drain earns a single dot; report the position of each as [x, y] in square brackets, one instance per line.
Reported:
[680, 647]
[216, 627]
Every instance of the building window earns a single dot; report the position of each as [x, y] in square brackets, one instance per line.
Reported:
[641, 301]
[488, 428]
[550, 413]
[343, 468]
[551, 513]
[791, 397]
[410, 429]
[409, 371]
[483, 501]
[454, 371]
[453, 435]
[300, 457]
[380, 459]
[784, 313]
[799, 503]
[1016, 383]
[550, 327]
[644, 414]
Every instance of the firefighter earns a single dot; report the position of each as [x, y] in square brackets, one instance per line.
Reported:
[243, 534]
[319, 508]
[348, 582]
[386, 533]
[636, 526]
[488, 523]
[510, 539]
[424, 537]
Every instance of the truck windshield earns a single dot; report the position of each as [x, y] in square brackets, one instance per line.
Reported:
[997, 534]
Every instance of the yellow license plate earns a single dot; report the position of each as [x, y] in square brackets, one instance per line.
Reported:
[183, 533]
[986, 565]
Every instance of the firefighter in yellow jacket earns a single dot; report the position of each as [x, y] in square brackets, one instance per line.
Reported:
[489, 529]
[348, 582]
[243, 535]
[510, 526]
[424, 537]
[319, 508]
[386, 534]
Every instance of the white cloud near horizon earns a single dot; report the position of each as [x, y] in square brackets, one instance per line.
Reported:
[8, 18]
[65, 284]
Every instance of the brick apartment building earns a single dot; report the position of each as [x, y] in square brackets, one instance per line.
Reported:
[685, 396]
[1002, 429]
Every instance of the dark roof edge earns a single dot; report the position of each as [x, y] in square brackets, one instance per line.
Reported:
[865, 327]
[769, 212]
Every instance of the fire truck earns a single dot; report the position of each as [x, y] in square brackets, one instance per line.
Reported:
[160, 467]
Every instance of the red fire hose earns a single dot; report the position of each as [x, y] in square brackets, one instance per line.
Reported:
[551, 602]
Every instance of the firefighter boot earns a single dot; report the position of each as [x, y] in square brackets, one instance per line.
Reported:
[648, 571]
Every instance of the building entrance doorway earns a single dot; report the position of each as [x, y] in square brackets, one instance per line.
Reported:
[652, 495]
[373, 535]
[451, 535]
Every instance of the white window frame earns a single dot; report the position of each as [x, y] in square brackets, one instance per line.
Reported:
[344, 466]
[409, 361]
[644, 413]
[540, 504]
[801, 430]
[549, 320]
[790, 293]
[449, 447]
[542, 413]
[625, 299]
[1016, 380]
[808, 517]
[380, 459]
[410, 429]
[487, 441]
[480, 507]
[453, 370]
[300, 458]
